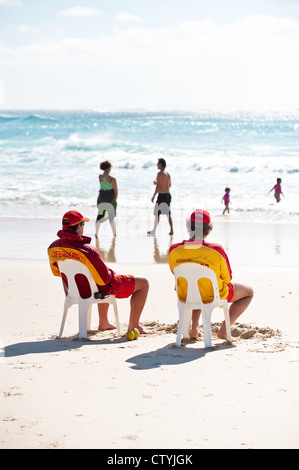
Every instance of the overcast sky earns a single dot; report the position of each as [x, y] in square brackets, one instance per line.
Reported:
[166, 54]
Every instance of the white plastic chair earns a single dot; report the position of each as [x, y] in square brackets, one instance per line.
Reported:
[192, 272]
[70, 268]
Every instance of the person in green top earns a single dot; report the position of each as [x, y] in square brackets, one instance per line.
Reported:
[107, 197]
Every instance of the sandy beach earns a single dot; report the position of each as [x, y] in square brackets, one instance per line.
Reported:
[109, 393]
[211, 88]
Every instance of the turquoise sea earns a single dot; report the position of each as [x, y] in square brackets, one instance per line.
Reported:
[50, 163]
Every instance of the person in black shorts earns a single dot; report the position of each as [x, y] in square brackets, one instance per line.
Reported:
[162, 206]
[107, 198]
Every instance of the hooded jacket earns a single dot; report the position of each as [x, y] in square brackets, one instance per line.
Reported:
[71, 246]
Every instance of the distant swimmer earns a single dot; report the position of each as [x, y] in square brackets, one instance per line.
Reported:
[226, 200]
[277, 190]
[162, 206]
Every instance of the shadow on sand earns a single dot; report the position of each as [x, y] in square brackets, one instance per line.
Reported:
[167, 355]
[171, 355]
[55, 345]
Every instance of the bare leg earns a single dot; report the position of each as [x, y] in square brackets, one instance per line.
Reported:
[104, 323]
[152, 232]
[137, 303]
[241, 300]
[194, 325]
[98, 223]
[113, 227]
[170, 224]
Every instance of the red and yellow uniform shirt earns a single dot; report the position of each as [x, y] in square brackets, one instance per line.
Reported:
[211, 255]
[71, 246]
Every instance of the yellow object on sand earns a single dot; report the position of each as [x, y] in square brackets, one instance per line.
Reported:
[130, 335]
[136, 333]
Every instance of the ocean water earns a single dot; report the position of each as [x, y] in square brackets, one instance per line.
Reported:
[50, 163]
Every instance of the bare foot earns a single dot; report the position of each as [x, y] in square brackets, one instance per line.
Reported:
[106, 326]
[193, 333]
[141, 330]
[223, 336]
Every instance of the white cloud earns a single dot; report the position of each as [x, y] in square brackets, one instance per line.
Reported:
[193, 44]
[11, 3]
[80, 12]
[28, 29]
[254, 61]
[9, 52]
[124, 17]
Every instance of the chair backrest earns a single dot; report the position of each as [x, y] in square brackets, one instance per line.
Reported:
[193, 272]
[78, 279]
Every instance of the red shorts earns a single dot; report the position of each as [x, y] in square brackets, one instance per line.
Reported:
[231, 292]
[123, 286]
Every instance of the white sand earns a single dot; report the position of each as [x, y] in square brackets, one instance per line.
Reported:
[109, 393]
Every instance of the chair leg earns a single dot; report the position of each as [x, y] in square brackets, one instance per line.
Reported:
[179, 334]
[227, 322]
[207, 330]
[89, 317]
[116, 317]
[181, 308]
[83, 319]
[187, 323]
[65, 310]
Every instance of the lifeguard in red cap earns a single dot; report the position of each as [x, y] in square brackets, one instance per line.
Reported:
[72, 244]
[212, 255]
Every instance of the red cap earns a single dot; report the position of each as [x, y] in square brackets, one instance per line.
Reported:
[73, 218]
[200, 216]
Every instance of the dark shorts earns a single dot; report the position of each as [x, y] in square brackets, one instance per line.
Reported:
[162, 205]
[231, 292]
[105, 195]
[107, 204]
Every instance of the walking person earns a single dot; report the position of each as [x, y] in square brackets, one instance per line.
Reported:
[162, 206]
[226, 200]
[107, 198]
[277, 190]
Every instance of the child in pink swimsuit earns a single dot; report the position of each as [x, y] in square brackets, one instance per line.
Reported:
[226, 200]
[277, 190]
